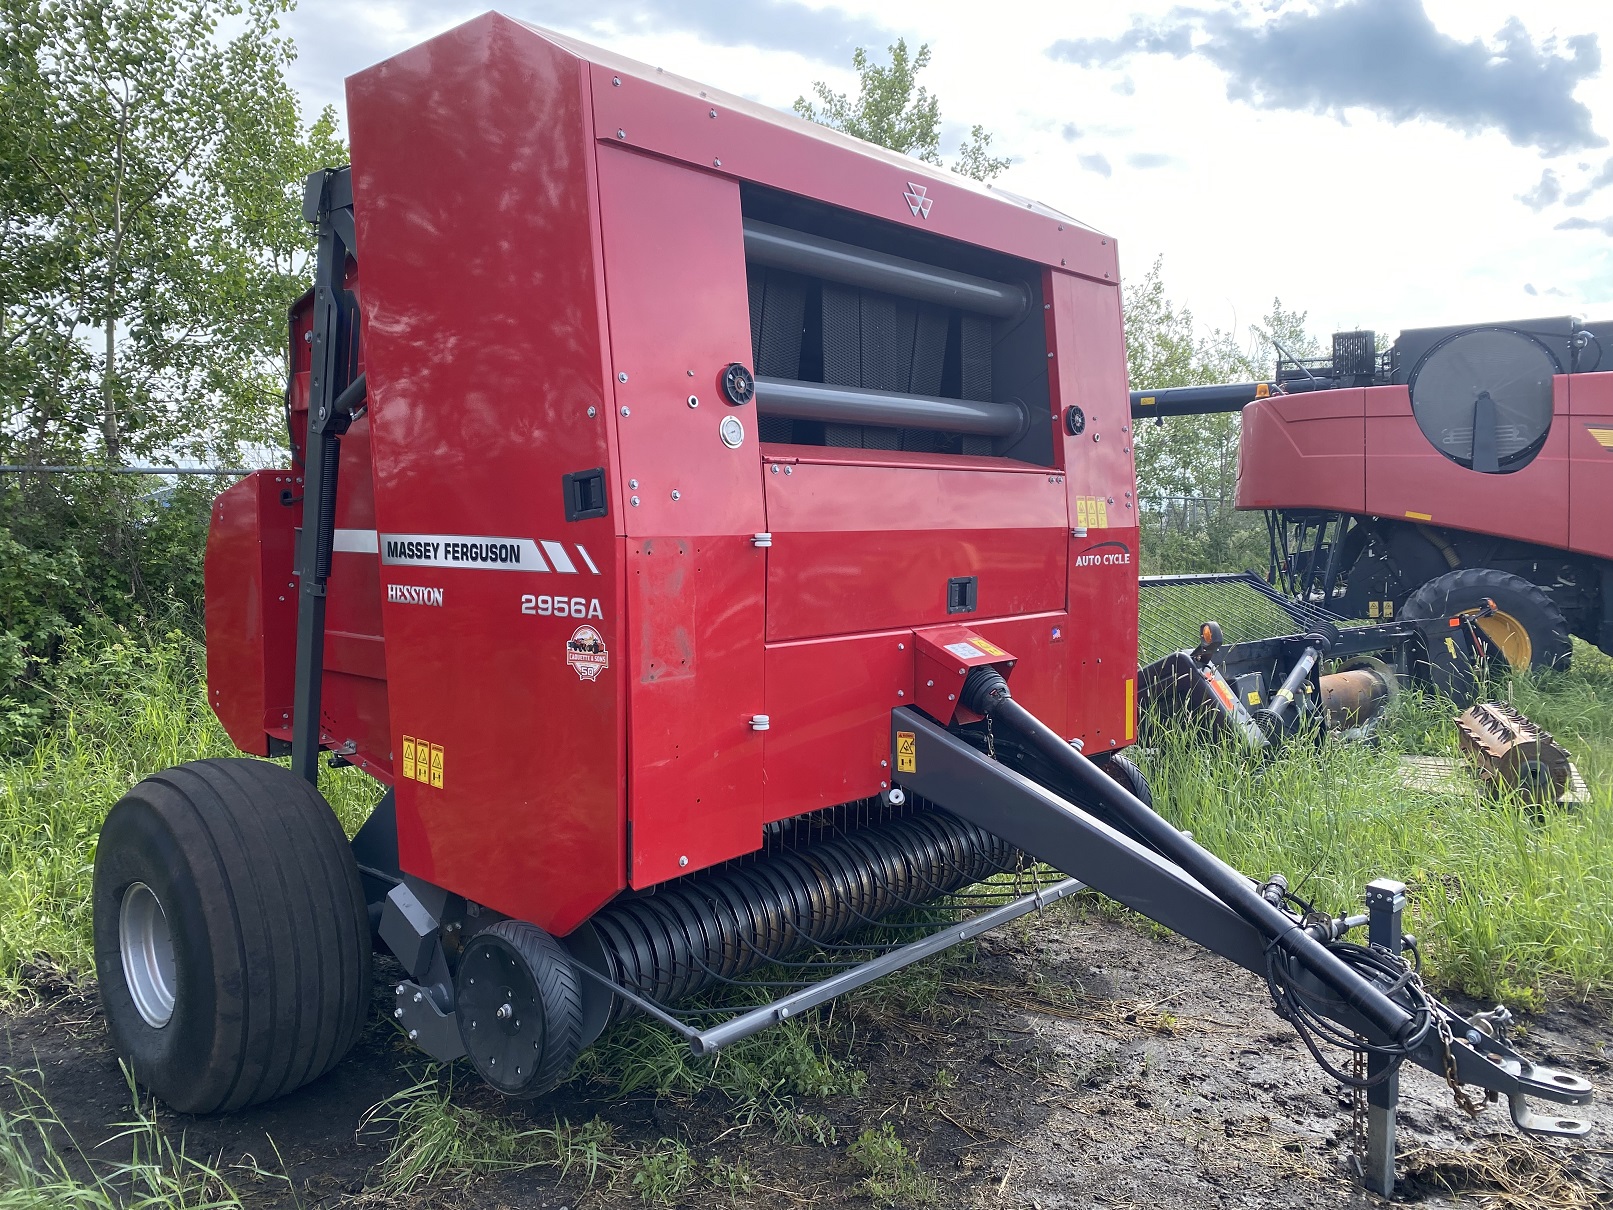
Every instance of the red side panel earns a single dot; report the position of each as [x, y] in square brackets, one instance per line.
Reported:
[859, 547]
[691, 506]
[1590, 470]
[251, 609]
[482, 305]
[1408, 479]
[828, 704]
[1098, 646]
[1304, 451]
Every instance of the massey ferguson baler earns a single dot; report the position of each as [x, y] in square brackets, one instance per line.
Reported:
[717, 536]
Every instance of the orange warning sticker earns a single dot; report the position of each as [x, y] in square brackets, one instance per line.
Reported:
[907, 752]
[988, 648]
[422, 762]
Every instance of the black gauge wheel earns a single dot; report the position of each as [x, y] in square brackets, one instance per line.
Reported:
[518, 997]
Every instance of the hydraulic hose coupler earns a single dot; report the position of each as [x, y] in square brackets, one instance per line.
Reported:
[983, 688]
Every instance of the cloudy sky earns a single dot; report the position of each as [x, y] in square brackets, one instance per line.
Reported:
[1378, 163]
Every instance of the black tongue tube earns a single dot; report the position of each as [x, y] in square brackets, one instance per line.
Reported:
[985, 692]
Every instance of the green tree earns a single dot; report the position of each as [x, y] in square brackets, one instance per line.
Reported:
[1187, 467]
[894, 110]
[151, 163]
[151, 238]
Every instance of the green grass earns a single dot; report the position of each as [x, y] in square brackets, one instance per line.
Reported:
[892, 1175]
[36, 1172]
[439, 1140]
[1509, 901]
[128, 710]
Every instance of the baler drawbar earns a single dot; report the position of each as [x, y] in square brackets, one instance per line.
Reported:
[676, 492]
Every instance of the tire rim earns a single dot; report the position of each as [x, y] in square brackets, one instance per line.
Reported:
[1510, 639]
[147, 948]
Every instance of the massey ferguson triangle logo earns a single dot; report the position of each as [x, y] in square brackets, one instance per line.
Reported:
[917, 202]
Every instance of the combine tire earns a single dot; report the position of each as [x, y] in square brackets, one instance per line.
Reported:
[1526, 631]
[1123, 770]
[232, 944]
[519, 1002]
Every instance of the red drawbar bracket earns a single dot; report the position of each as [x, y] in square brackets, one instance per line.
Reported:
[942, 657]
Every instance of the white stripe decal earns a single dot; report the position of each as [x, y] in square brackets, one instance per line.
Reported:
[461, 550]
[586, 559]
[355, 541]
[558, 556]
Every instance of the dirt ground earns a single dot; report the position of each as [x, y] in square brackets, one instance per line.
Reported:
[1089, 1066]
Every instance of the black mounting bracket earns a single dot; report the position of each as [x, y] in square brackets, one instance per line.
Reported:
[335, 391]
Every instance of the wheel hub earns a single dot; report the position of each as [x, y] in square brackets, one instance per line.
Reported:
[1509, 638]
[498, 1000]
[147, 948]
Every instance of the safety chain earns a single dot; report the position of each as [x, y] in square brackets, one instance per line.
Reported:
[1358, 1115]
[991, 739]
[1473, 1108]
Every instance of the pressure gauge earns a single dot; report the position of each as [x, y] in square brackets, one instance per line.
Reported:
[732, 432]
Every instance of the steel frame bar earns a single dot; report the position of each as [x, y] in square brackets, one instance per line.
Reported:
[754, 1020]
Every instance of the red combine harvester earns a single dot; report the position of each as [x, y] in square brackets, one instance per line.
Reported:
[1461, 464]
[718, 477]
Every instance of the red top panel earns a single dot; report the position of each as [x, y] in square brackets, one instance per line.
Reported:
[645, 107]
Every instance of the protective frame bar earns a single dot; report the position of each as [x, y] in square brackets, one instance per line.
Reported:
[754, 1020]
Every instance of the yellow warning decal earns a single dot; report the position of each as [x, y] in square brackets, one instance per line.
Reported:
[1147, 401]
[1254, 698]
[1420, 516]
[907, 752]
[422, 762]
[988, 648]
[1131, 708]
[1372, 609]
[1604, 437]
[1081, 512]
[1103, 512]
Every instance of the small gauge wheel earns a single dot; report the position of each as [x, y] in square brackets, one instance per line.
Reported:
[518, 998]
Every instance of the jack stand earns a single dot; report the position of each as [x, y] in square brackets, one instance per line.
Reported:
[1386, 904]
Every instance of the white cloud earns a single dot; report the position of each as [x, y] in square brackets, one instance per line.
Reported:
[1362, 222]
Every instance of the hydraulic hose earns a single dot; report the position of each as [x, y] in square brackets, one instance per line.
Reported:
[986, 693]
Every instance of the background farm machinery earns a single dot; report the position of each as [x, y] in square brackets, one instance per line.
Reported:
[1461, 464]
[1289, 666]
[717, 536]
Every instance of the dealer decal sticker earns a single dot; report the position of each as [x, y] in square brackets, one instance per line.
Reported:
[585, 651]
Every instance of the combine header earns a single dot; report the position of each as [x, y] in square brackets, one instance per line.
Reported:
[718, 536]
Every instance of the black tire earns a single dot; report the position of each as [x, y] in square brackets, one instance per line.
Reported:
[269, 941]
[1527, 631]
[517, 967]
[1125, 771]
